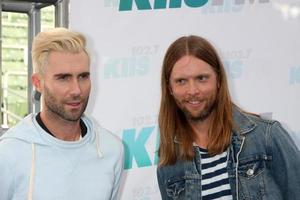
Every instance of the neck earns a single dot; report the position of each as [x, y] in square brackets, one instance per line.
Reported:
[201, 131]
[61, 128]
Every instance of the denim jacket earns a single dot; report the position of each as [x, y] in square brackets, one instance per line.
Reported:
[263, 164]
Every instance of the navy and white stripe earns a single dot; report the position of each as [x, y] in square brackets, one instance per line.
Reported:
[215, 181]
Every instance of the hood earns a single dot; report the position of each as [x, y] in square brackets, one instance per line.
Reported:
[26, 131]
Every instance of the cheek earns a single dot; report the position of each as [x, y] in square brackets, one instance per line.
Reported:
[178, 93]
[179, 97]
[87, 88]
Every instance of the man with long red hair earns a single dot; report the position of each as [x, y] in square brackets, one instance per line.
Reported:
[210, 148]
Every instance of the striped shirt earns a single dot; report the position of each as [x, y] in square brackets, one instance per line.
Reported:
[215, 181]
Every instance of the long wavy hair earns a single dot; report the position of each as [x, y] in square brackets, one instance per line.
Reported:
[176, 135]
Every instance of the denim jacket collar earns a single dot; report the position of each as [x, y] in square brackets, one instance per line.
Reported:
[242, 123]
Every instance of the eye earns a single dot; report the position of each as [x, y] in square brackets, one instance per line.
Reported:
[63, 77]
[84, 76]
[180, 81]
[202, 77]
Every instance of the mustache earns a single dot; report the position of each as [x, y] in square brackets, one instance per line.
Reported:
[194, 99]
[77, 98]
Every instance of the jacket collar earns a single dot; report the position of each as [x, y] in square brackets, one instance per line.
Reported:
[242, 121]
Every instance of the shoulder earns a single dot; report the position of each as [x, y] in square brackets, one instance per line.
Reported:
[266, 126]
[110, 138]
[109, 143]
[249, 123]
[12, 140]
[268, 132]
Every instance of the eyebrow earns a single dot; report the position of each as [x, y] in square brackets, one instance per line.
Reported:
[192, 76]
[84, 73]
[68, 74]
[62, 74]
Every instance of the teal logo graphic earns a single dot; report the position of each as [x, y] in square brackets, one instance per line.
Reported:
[126, 5]
[295, 75]
[126, 67]
[215, 5]
[135, 146]
[234, 68]
[234, 62]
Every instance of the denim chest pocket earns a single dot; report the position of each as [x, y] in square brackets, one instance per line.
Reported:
[175, 188]
[251, 172]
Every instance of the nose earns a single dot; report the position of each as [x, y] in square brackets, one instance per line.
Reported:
[75, 88]
[192, 88]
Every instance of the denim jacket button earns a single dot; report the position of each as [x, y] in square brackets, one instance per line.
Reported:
[250, 172]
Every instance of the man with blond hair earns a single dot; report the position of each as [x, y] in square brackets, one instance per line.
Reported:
[59, 153]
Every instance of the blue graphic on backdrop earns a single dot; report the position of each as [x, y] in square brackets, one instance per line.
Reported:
[126, 67]
[136, 65]
[135, 146]
[295, 75]
[234, 62]
[221, 5]
[234, 68]
[126, 5]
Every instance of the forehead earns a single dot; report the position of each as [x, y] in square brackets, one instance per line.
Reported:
[190, 66]
[66, 62]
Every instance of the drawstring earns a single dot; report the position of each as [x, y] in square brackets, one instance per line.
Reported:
[98, 145]
[32, 173]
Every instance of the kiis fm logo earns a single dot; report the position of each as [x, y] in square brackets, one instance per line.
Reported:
[235, 62]
[136, 65]
[295, 75]
[135, 141]
[126, 5]
[126, 67]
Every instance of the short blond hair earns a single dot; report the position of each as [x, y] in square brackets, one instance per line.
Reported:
[57, 39]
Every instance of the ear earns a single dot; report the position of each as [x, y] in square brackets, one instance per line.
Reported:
[36, 81]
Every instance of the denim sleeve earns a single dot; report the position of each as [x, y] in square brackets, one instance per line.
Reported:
[162, 186]
[286, 161]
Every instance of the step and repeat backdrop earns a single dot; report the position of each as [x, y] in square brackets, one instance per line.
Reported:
[258, 41]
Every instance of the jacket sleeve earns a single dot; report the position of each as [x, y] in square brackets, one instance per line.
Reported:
[286, 162]
[118, 174]
[162, 186]
[6, 178]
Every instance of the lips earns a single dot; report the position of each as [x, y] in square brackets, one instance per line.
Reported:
[194, 103]
[74, 104]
